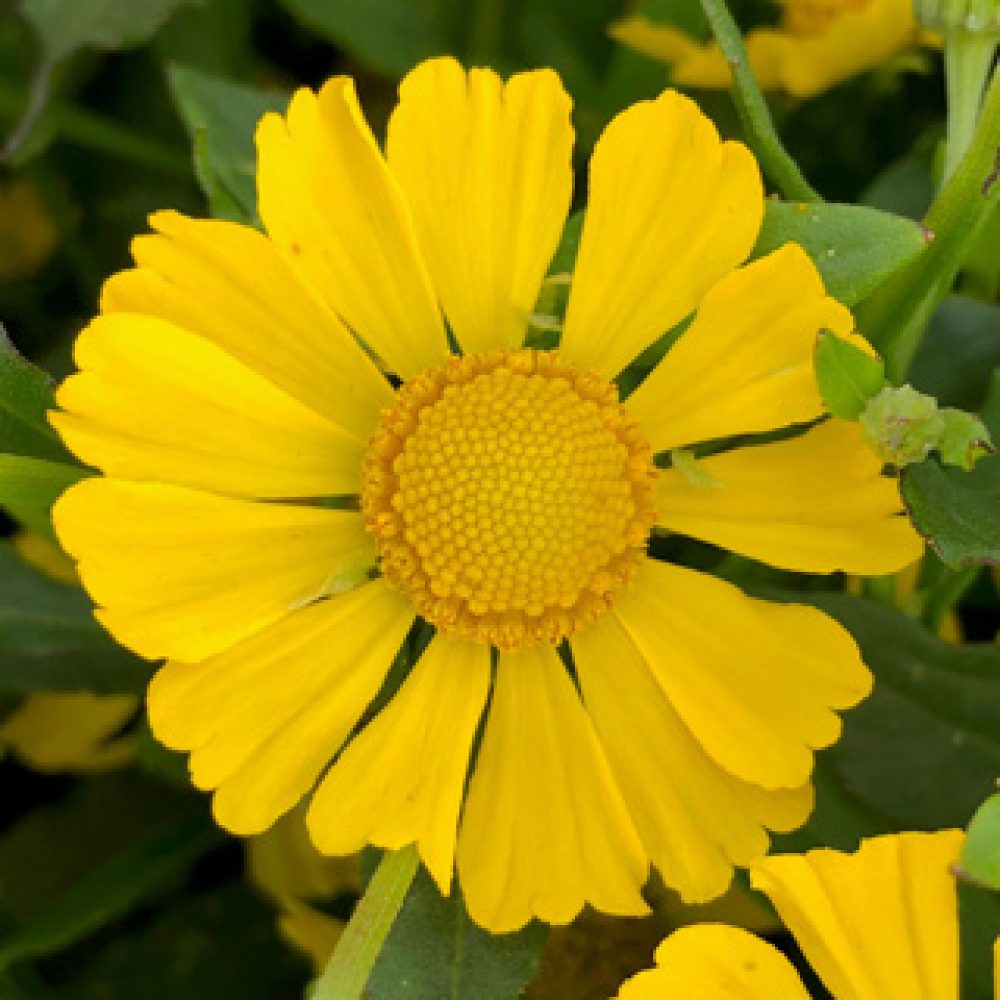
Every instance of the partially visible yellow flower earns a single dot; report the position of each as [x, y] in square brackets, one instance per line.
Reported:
[818, 44]
[502, 496]
[28, 234]
[285, 865]
[56, 731]
[879, 924]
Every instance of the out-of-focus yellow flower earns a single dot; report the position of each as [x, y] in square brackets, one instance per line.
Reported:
[879, 924]
[56, 731]
[285, 865]
[818, 44]
[27, 233]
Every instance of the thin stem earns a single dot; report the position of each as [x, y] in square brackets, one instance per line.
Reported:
[893, 318]
[945, 594]
[352, 961]
[753, 110]
[967, 60]
[41, 87]
[93, 131]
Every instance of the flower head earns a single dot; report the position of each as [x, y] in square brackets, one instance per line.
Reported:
[279, 518]
[879, 924]
[818, 44]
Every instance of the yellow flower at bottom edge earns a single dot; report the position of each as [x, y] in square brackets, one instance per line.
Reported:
[879, 924]
[506, 496]
[818, 44]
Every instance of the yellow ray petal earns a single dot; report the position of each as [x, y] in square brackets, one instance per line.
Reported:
[486, 169]
[332, 207]
[696, 821]
[401, 780]
[816, 503]
[184, 574]
[70, 731]
[263, 718]
[715, 962]
[878, 924]
[756, 683]
[854, 41]
[746, 362]
[154, 402]
[228, 284]
[671, 210]
[545, 829]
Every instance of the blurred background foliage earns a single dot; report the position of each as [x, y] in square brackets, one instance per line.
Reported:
[114, 882]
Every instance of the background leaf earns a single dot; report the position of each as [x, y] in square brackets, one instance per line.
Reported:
[25, 398]
[854, 248]
[435, 952]
[958, 511]
[66, 25]
[49, 640]
[30, 486]
[846, 376]
[981, 851]
[221, 117]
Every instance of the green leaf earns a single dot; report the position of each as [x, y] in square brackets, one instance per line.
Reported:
[218, 944]
[220, 117]
[959, 353]
[964, 439]
[112, 889]
[63, 26]
[959, 512]
[923, 750]
[434, 952]
[25, 398]
[30, 486]
[389, 35]
[49, 640]
[981, 852]
[854, 248]
[847, 377]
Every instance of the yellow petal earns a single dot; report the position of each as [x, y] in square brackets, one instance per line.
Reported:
[263, 718]
[228, 284]
[671, 210]
[657, 41]
[45, 556]
[696, 821]
[880, 923]
[401, 780]
[545, 829]
[715, 962]
[816, 503]
[184, 574]
[154, 402]
[854, 41]
[756, 683]
[74, 731]
[486, 169]
[331, 206]
[310, 930]
[746, 362]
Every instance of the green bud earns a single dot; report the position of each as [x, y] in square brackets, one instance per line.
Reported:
[902, 425]
[967, 17]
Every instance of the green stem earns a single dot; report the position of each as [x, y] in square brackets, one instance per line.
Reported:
[894, 318]
[753, 110]
[87, 129]
[945, 594]
[967, 61]
[352, 961]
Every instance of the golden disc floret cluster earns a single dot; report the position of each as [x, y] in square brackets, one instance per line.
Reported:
[510, 495]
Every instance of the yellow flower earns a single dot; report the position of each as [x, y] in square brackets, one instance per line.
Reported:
[505, 496]
[818, 44]
[880, 924]
[285, 865]
[28, 234]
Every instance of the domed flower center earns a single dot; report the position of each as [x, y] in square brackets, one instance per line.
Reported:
[510, 495]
